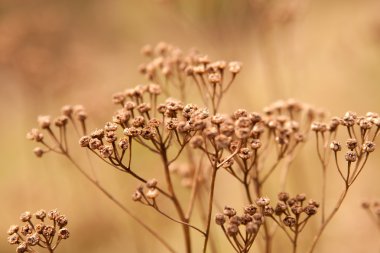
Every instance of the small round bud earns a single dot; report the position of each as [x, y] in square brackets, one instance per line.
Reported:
[350, 156]
[38, 151]
[229, 211]
[283, 196]
[13, 229]
[250, 209]
[25, 217]
[63, 233]
[84, 141]
[232, 230]
[22, 248]
[44, 121]
[152, 193]
[14, 239]
[351, 144]
[335, 146]
[220, 219]
[289, 221]
[152, 183]
[61, 221]
[369, 146]
[124, 143]
[40, 214]
[33, 239]
[263, 201]
[251, 228]
[137, 195]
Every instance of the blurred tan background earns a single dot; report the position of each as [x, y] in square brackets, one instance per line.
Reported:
[326, 53]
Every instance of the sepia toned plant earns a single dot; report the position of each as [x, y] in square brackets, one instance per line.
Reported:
[194, 143]
[45, 233]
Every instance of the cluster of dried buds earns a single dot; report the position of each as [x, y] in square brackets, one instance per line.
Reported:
[58, 138]
[293, 212]
[243, 133]
[241, 230]
[373, 209]
[169, 63]
[150, 195]
[154, 128]
[32, 234]
[362, 132]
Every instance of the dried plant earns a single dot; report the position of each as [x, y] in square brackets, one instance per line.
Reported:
[195, 145]
[39, 234]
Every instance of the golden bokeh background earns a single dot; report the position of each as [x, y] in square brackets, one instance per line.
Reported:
[326, 53]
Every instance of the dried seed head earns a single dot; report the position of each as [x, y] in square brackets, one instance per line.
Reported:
[13, 229]
[310, 209]
[25, 216]
[222, 141]
[234, 67]
[245, 153]
[48, 231]
[369, 146]
[33, 239]
[35, 135]
[280, 208]
[335, 146]
[40, 214]
[22, 247]
[94, 143]
[67, 110]
[196, 142]
[235, 220]
[14, 239]
[245, 218]
[232, 230]
[218, 119]
[365, 124]
[255, 144]
[350, 156]
[251, 228]
[152, 193]
[301, 197]
[53, 214]
[118, 98]
[61, 221]
[349, 119]
[110, 126]
[84, 141]
[137, 195]
[220, 219]
[351, 144]
[63, 233]
[38, 151]
[61, 121]
[106, 151]
[39, 227]
[268, 211]
[215, 78]
[263, 201]
[26, 230]
[132, 131]
[124, 143]
[229, 211]
[258, 218]
[110, 137]
[152, 183]
[289, 221]
[98, 134]
[250, 209]
[44, 121]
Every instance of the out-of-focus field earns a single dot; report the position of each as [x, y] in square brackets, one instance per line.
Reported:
[326, 53]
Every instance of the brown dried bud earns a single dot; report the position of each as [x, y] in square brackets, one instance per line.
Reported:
[137, 195]
[98, 134]
[350, 156]
[255, 144]
[118, 98]
[110, 127]
[289, 221]
[229, 211]
[263, 201]
[39, 227]
[35, 135]
[26, 230]
[48, 231]
[111, 137]
[38, 151]
[26, 216]
[215, 78]
[232, 230]
[220, 219]
[152, 193]
[14, 239]
[349, 119]
[53, 214]
[301, 197]
[245, 153]
[67, 110]
[138, 121]
[222, 141]
[218, 119]
[310, 209]
[124, 143]
[235, 220]
[22, 247]
[94, 143]
[335, 146]
[44, 121]
[258, 218]
[63, 233]
[33, 239]
[196, 142]
[61, 121]
[106, 151]
[351, 143]
[40, 214]
[251, 228]
[280, 208]
[61, 221]
[234, 67]
[84, 141]
[369, 146]
[132, 131]
[13, 229]
[250, 209]
[152, 183]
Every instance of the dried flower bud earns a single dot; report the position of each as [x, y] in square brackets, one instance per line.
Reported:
[245, 218]
[196, 142]
[232, 230]
[132, 131]
[94, 143]
[110, 127]
[53, 214]
[40, 214]
[137, 195]
[39, 227]
[263, 201]
[48, 231]
[218, 119]
[38, 151]
[335, 146]
[33, 239]
[61, 221]
[229, 211]
[124, 143]
[118, 98]
[84, 141]
[26, 229]
[106, 151]
[310, 209]
[220, 219]
[251, 228]
[61, 121]
[349, 119]
[35, 135]
[350, 156]
[280, 208]
[289, 221]
[44, 121]
[234, 67]
[13, 229]
[22, 248]
[369, 146]
[255, 144]
[67, 110]
[14, 239]
[245, 153]
[152, 183]
[152, 193]
[26, 216]
[301, 197]
[98, 134]
[63, 233]
[351, 143]
[258, 218]
[235, 220]
[250, 209]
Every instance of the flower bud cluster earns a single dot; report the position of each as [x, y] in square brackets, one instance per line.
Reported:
[39, 233]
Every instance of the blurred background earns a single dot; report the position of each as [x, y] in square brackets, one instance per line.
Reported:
[326, 53]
